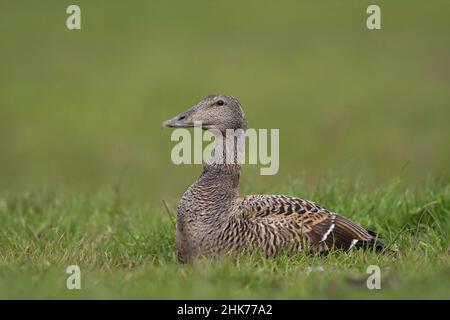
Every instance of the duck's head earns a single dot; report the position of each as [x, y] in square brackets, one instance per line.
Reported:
[217, 112]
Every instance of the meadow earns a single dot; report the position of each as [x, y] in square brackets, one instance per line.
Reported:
[126, 250]
[85, 169]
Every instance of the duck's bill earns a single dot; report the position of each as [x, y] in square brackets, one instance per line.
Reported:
[183, 121]
[176, 123]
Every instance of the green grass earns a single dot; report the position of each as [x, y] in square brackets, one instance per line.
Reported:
[80, 113]
[125, 249]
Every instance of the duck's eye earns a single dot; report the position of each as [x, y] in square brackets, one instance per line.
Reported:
[220, 103]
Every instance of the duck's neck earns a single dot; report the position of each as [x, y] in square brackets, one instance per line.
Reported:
[222, 171]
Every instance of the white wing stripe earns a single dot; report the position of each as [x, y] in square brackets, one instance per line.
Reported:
[329, 230]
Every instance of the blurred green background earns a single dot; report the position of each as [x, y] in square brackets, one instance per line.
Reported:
[81, 110]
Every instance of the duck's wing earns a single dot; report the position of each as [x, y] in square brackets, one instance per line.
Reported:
[324, 229]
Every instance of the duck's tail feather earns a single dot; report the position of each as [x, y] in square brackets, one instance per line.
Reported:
[346, 235]
[373, 244]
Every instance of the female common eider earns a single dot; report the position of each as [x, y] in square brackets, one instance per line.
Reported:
[214, 219]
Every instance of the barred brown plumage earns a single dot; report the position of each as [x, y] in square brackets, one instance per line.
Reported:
[214, 219]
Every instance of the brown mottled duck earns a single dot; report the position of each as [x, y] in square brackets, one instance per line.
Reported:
[213, 219]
